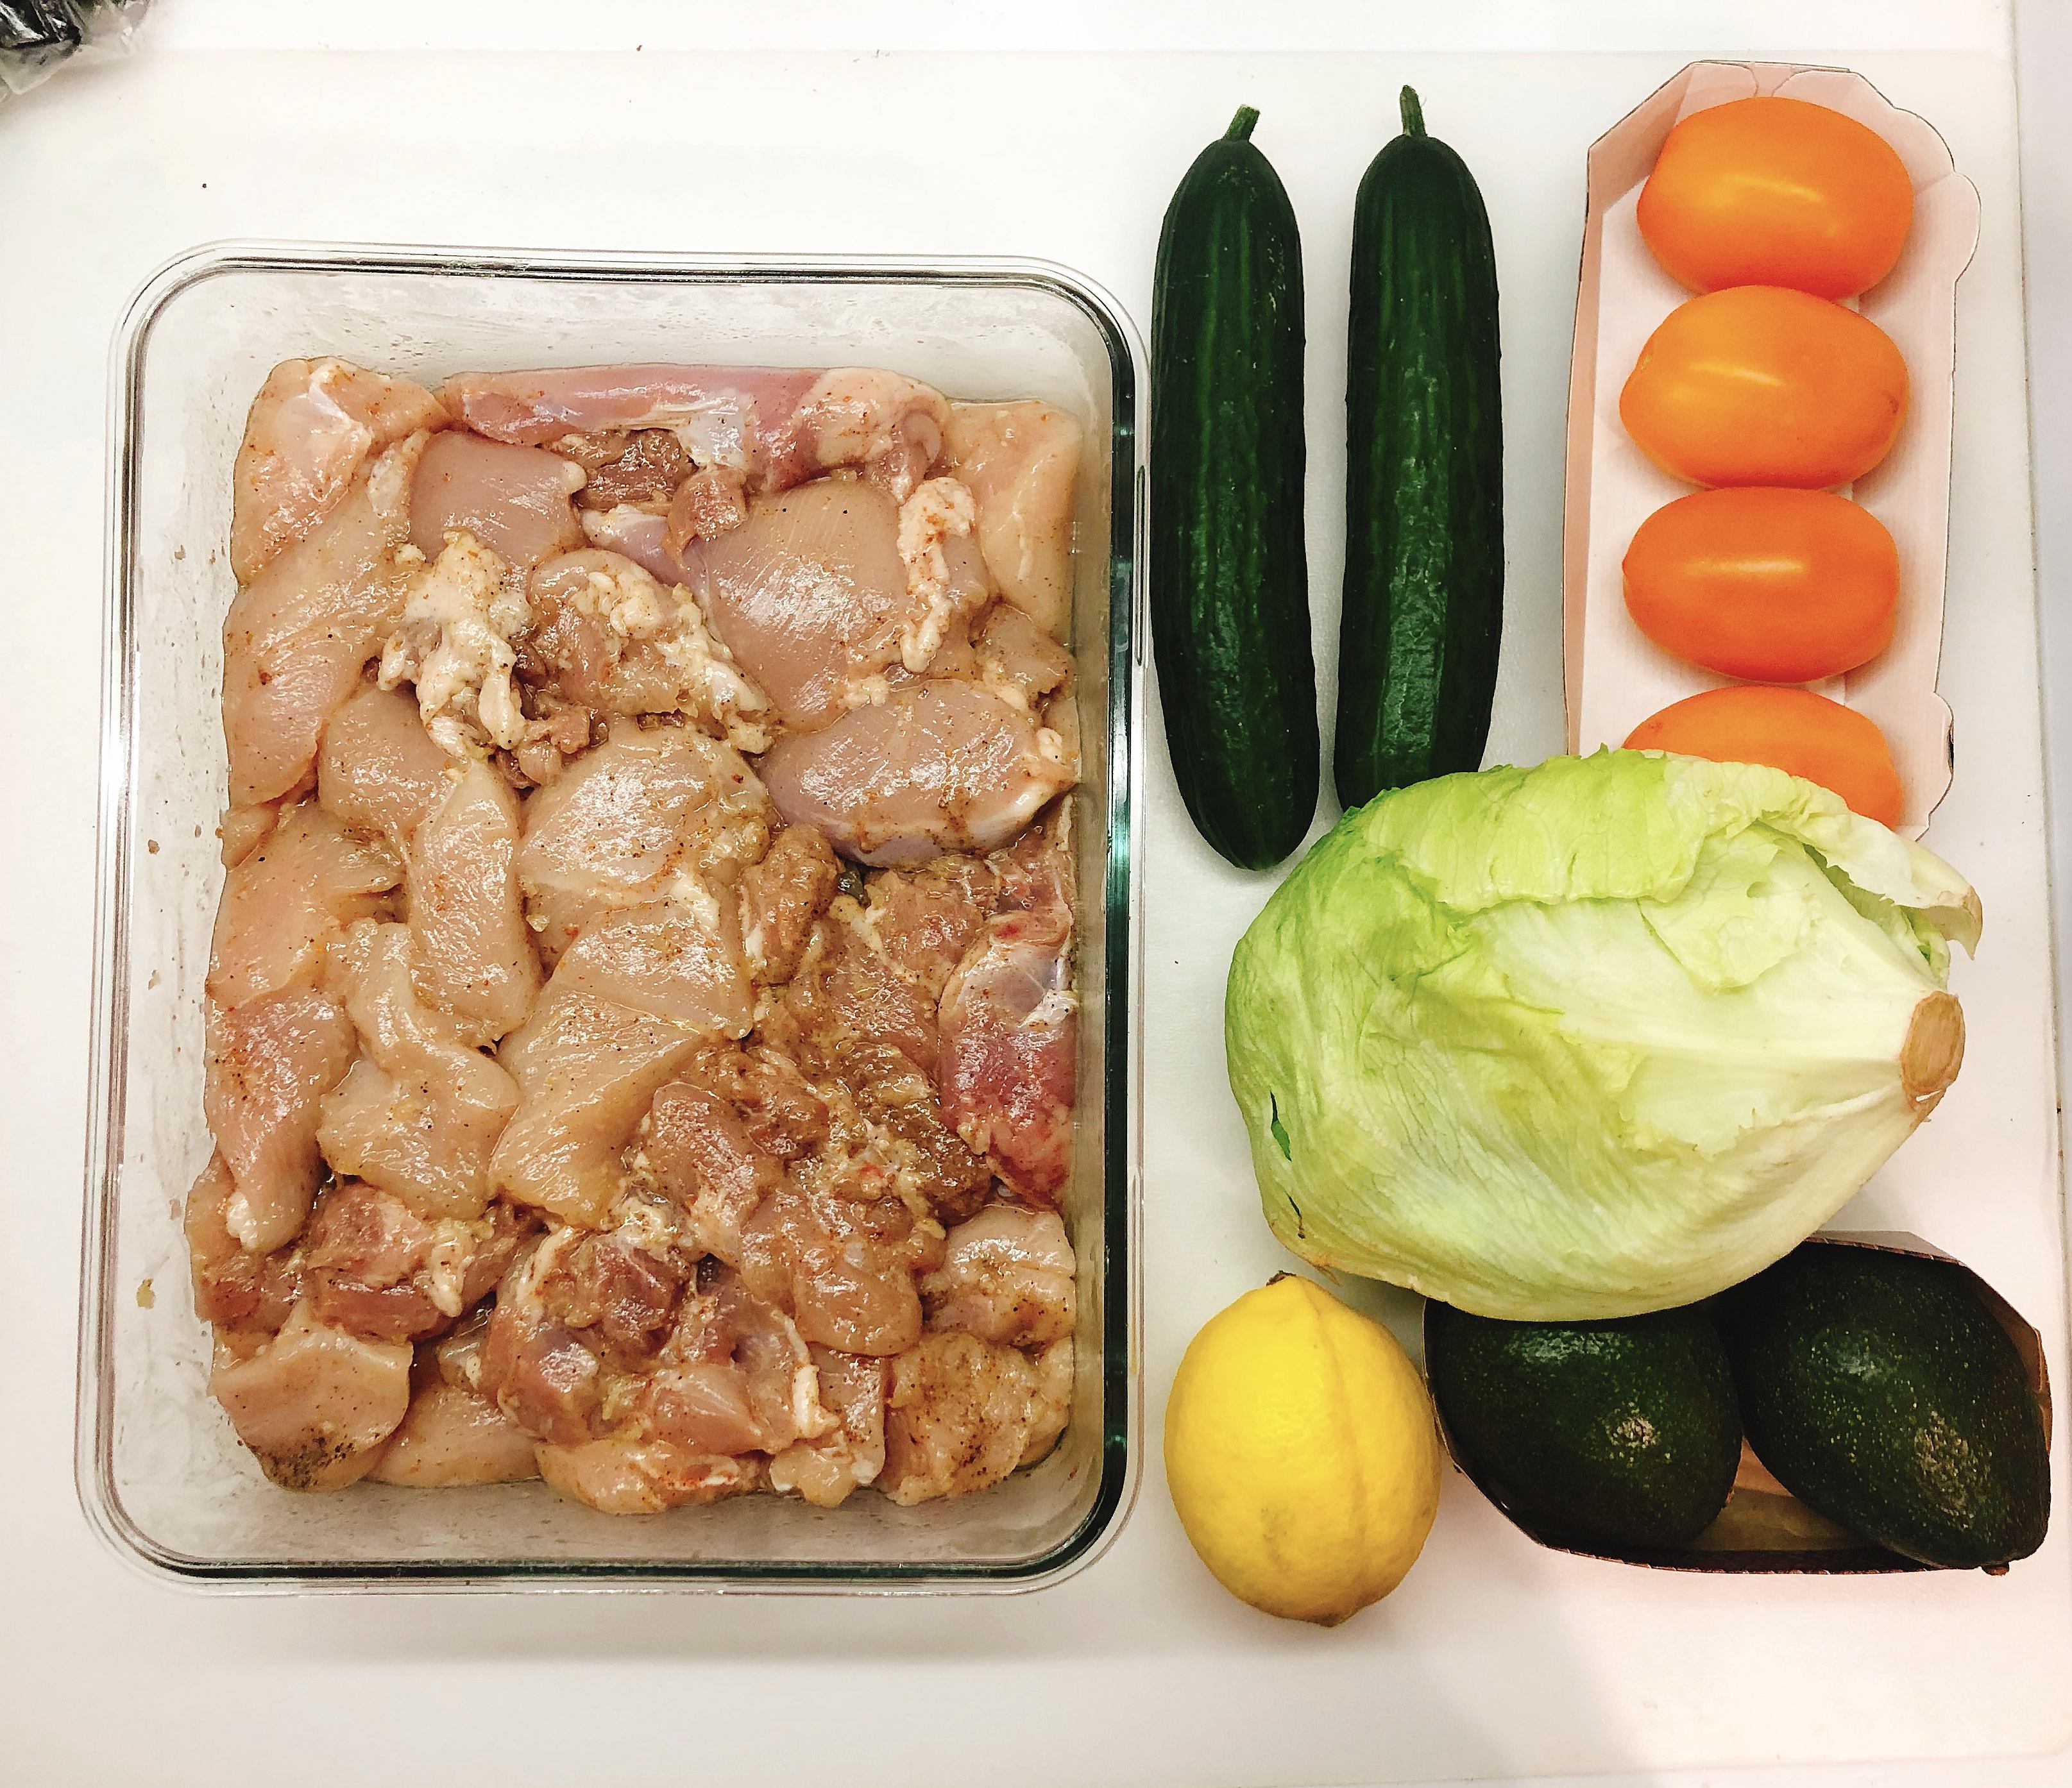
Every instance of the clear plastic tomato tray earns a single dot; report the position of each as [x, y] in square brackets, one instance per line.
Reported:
[161, 1474]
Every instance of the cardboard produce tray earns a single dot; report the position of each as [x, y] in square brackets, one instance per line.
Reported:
[1615, 675]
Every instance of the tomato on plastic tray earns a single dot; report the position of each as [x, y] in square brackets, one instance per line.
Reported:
[1779, 585]
[1759, 385]
[1791, 730]
[1774, 191]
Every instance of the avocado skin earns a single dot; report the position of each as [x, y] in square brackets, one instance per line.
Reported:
[1878, 1389]
[1621, 1435]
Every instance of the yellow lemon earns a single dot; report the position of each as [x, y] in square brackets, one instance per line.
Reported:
[1302, 1453]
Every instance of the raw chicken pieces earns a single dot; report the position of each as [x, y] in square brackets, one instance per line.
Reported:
[314, 1403]
[297, 635]
[450, 1436]
[586, 1069]
[775, 427]
[272, 1061]
[314, 425]
[814, 597]
[578, 1112]
[418, 1113]
[729, 412]
[943, 766]
[378, 770]
[515, 500]
[665, 814]
[471, 952]
[1020, 461]
[1009, 1058]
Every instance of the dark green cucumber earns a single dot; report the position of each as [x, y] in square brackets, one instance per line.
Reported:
[1423, 594]
[1230, 583]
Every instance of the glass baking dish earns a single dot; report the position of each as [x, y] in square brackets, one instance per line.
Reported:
[160, 1474]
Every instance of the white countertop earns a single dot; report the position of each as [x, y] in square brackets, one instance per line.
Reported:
[106, 1677]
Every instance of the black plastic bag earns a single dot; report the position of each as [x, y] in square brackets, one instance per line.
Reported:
[36, 35]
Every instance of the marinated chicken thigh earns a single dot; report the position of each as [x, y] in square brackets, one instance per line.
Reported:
[608, 637]
[1010, 1060]
[776, 427]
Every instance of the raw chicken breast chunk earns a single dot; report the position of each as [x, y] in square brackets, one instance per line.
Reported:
[652, 814]
[1020, 461]
[851, 1454]
[313, 425]
[420, 1111]
[814, 598]
[379, 770]
[450, 1436]
[470, 950]
[283, 906]
[1006, 1276]
[963, 1413]
[298, 635]
[271, 1062]
[587, 1069]
[624, 1476]
[514, 500]
[941, 766]
[314, 1403]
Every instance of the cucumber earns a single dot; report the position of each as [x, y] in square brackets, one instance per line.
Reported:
[1423, 590]
[1229, 579]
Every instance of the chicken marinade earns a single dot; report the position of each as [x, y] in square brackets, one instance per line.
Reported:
[641, 1024]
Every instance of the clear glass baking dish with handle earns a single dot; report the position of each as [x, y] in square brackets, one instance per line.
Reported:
[160, 1476]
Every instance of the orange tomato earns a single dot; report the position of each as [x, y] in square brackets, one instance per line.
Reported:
[1790, 729]
[1777, 192]
[1759, 385]
[1779, 585]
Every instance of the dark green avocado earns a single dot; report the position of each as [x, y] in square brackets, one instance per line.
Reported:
[1879, 1389]
[1619, 1436]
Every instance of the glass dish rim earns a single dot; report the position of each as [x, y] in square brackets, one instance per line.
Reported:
[1120, 1445]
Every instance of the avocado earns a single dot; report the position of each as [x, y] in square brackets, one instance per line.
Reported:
[1620, 1437]
[1879, 1389]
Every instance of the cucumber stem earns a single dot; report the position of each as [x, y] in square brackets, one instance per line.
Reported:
[1413, 113]
[1247, 115]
